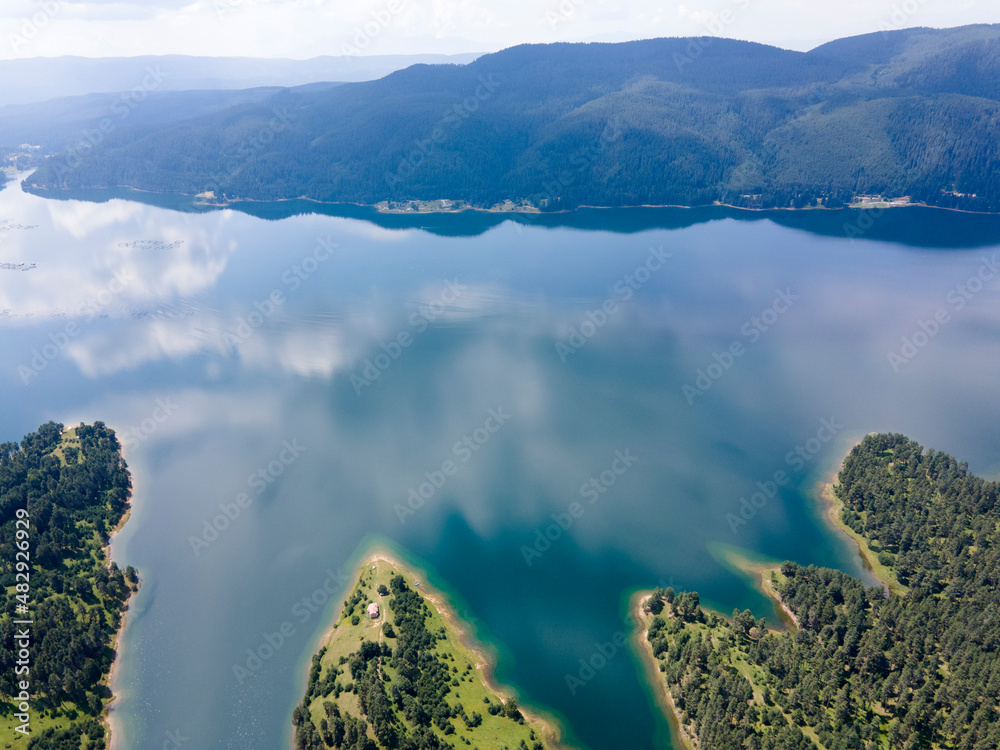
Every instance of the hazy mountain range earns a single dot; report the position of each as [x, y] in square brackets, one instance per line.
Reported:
[664, 121]
[37, 79]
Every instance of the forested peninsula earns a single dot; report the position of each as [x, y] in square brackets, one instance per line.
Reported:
[858, 668]
[62, 494]
[399, 670]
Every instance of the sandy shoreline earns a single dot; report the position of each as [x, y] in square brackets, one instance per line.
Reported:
[759, 570]
[484, 659]
[109, 718]
[831, 506]
[651, 666]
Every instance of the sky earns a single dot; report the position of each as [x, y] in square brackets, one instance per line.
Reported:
[308, 28]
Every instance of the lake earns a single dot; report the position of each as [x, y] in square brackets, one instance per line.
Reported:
[549, 412]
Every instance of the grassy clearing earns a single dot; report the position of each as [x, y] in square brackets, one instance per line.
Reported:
[68, 440]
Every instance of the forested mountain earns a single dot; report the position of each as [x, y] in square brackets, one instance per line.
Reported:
[863, 669]
[662, 121]
[61, 494]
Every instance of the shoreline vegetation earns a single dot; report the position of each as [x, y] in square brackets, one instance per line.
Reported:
[365, 667]
[437, 206]
[421, 206]
[73, 487]
[761, 573]
[642, 614]
[902, 664]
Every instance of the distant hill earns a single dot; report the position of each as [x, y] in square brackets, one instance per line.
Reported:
[60, 124]
[663, 121]
[38, 79]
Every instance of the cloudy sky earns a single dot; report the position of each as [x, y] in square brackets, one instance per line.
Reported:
[306, 28]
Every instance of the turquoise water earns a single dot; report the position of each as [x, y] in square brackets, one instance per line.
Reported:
[282, 381]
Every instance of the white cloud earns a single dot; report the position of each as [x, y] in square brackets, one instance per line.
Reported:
[303, 28]
[152, 264]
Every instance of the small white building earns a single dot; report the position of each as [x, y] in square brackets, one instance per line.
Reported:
[373, 611]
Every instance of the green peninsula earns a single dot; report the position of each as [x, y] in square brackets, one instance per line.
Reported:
[62, 494]
[399, 670]
[909, 665]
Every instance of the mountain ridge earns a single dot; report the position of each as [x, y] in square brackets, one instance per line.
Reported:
[677, 121]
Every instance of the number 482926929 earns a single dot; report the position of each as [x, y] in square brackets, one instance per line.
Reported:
[22, 565]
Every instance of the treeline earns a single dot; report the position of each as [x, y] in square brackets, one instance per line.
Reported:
[662, 121]
[863, 669]
[401, 690]
[75, 488]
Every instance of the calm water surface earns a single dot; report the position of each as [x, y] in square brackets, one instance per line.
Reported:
[229, 337]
